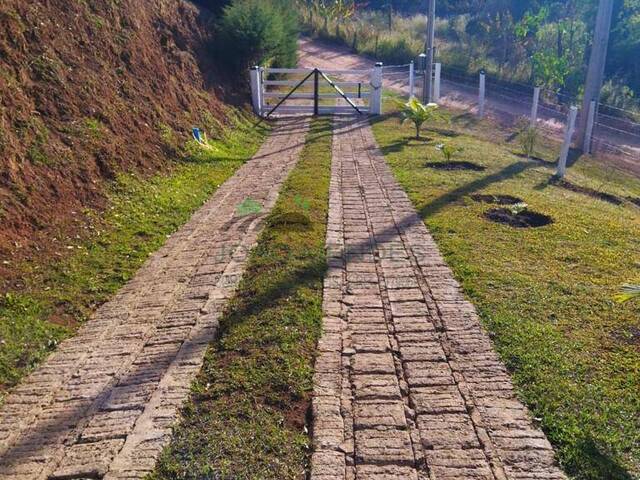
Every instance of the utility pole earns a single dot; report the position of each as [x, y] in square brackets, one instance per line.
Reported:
[595, 73]
[427, 91]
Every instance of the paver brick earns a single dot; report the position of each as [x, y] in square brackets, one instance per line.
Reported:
[383, 447]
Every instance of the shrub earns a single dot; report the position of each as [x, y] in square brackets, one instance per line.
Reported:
[619, 95]
[258, 32]
[448, 150]
[528, 139]
[417, 113]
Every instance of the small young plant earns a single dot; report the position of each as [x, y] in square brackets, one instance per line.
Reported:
[448, 150]
[418, 113]
[529, 140]
[518, 208]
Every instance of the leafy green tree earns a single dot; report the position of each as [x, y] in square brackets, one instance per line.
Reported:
[549, 70]
[254, 32]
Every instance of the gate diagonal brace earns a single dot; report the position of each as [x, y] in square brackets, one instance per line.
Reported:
[342, 94]
[316, 73]
[291, 92]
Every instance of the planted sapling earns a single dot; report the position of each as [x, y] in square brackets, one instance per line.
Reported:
[448, 150]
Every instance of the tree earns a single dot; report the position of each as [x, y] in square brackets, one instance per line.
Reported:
[550, 70]
[253, 32]
[342, 10]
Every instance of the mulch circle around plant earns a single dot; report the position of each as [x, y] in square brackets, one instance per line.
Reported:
[523, 219]
[496, 199]
[451, 166]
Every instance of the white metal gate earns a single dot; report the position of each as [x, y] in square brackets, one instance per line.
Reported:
[302, 91]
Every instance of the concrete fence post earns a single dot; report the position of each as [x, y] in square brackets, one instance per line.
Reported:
[591, 119]
[376, 90]
[564, 152]
[255, 90]
[262, 89]
[436, 83]
[534, 107]
[482, 94]
[412, 80]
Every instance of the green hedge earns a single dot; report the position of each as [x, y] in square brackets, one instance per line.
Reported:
[258, 32]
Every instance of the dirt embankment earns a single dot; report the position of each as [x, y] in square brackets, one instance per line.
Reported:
[88, 89]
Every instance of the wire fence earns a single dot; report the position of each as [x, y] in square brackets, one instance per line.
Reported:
[614, 132]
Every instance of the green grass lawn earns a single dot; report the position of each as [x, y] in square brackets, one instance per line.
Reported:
[247, 415]
[545, 293]
[141, 213]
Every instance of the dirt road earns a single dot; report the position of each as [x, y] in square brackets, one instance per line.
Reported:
[622, 149]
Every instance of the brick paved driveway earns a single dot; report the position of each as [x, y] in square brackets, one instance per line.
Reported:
[102, 405]
[407, 384]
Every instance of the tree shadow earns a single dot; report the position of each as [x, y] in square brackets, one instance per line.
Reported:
[455, 195]
[445, 132]
[574, 155]
[601, 464]
[400, 145]
[465, 120]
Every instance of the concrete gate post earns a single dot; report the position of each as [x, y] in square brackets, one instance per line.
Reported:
[376, 90]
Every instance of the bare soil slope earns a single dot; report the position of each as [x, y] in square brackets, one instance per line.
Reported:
[88, 89]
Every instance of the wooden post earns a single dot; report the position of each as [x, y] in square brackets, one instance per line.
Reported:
[411, 80]
[534, 108]
[481, 94]
[375, 103]
[568, 135]
[436, 83]
[591, 119]
[255, 90]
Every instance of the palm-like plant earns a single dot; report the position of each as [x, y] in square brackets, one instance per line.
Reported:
[627, 292]
[448, 150]
[418, 113]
